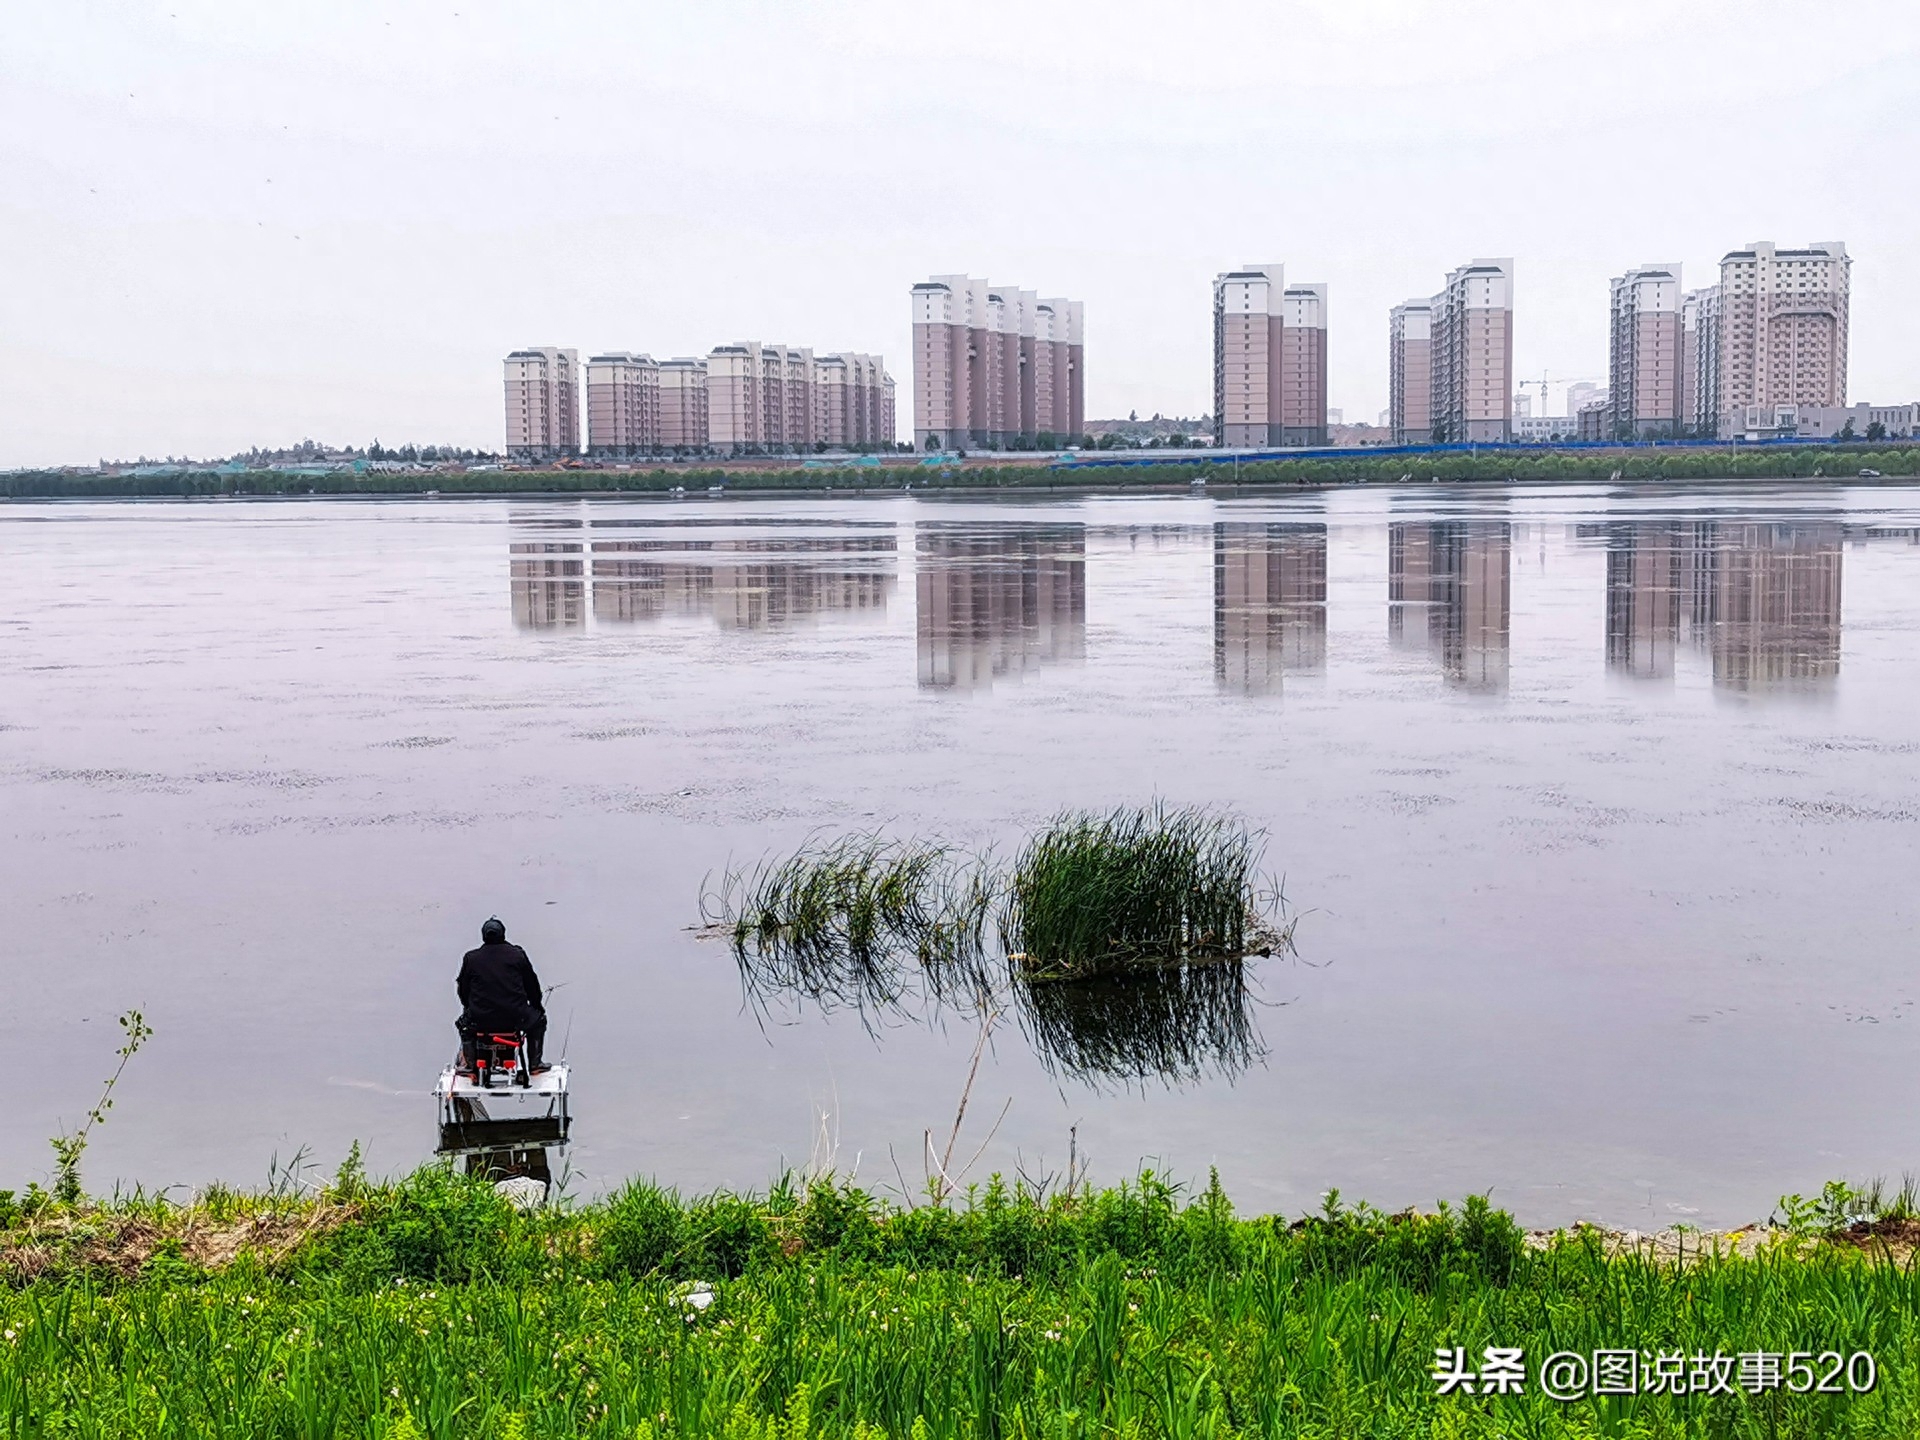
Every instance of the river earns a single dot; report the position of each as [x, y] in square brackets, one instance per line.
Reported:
[1598, 807]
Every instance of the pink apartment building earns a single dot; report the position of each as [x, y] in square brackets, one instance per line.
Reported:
[764, 399]
[1410, 373]
[1248, 322]
[1783, 335]
[1646, 372]
[995, 367]
[1303, 366]
[1269, 359]
[1700, 361]
[683, 405]
[623, 405]
[543, 403]
[1472, 355]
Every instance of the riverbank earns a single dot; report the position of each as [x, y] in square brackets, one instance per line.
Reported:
[431, 1307]
[979, 473]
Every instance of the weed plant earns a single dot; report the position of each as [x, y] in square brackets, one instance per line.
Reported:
[1118, 934]
[435, 1310]
[859, 921]
[1104, 893]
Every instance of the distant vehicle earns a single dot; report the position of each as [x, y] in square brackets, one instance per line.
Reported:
[1869, 474]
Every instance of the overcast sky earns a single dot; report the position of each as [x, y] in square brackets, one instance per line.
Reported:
[226, 224]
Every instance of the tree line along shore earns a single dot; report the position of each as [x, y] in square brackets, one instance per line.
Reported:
[431, 1307]
[1853, 463]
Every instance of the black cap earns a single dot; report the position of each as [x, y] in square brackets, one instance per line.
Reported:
[494, 930]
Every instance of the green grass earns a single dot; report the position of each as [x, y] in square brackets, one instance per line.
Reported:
[434, 1310]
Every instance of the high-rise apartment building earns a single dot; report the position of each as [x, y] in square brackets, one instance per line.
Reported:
[1410, 373]
[1646, 362]
[623, 405]
[768, 399]
[1303, 365]
[853, 402]
[759, 398]
[995, 366]
[543, 403]
[1472, 351]
[683, 404]
[1249, 318]
[1783, 334]
[1269, 359]
[1700, 361]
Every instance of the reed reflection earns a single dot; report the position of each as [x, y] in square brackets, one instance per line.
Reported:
[1178, 1024]
[1449, 592]
[751, 582]
[1761, 598]
[1269, 603]
[995, 600]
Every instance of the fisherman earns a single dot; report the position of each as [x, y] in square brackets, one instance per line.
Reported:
[499, 993]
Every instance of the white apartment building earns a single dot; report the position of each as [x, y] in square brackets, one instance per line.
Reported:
[543, 403]
[1783, 333]
[1646, 362]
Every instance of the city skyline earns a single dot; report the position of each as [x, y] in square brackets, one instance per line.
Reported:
[184, 236]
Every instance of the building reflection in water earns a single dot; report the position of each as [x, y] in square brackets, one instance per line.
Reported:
[548, 583]
[752, 582]
[778, 573]
[1449, 593]
[1761, 598]
[1269, 603]
[998, 599]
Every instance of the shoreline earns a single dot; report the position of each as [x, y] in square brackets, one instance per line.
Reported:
[976, 476]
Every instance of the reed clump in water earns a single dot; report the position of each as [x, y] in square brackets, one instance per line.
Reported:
[1104, 893]
[861, 921]
[1119, 935]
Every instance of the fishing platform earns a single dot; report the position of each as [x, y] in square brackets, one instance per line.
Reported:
[502, 1119]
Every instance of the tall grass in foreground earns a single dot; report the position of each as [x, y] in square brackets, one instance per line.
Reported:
[436, 1311]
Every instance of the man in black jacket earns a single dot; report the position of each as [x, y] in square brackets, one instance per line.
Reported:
[499, 992]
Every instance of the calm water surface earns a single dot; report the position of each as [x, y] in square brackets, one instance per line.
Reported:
[1600, 805]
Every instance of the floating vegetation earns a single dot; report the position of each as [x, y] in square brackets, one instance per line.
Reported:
[860, 921]
[1117, 935]
[1100, 894]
